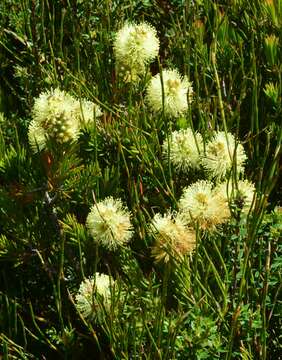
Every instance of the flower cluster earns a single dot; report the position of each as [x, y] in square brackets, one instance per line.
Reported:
[239, 195]
[201, 204]
[86, 111]
[59, 116]
[207, 205]
[92, 293]
[204, 203]
[135, 46]
[109, 223]
[173, 238]
[169, 92]
[184, 149]
[222, 153]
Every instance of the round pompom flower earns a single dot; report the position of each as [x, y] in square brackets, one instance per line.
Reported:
[221, 153]
[176, 93]
[200, 204]
[58, 116]
[135, 46]
[55, 112]
[240, 195]
[109, 223]
[92, 292]
[173, 238]
[184, 149]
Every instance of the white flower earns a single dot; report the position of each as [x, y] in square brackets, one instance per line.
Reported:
[221, 153]
[240, 194]
[87, 111]
[184, 149]
[173, 237]
[54, 111]
[59, 116]
[200, 204]
[173, 97]
[92, 292]
[135, 46]
[245, 194]
[109, 223]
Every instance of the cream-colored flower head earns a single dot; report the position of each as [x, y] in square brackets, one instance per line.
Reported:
[176, 93]
[109, 223]
[54, 111]
[200, 204]
[184, 149]
[92, 292]
[59, 116]
[221, 153]
[240, 195]
[135, 46]
[245, 194]
[87, 111]
[173, 238]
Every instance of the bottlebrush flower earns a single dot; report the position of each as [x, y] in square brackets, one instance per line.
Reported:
[109, 223]
[173, 97]
[135, 46]
[173, 238]
[92, 292]
[221, 152]
[200, 204]
[184, 149]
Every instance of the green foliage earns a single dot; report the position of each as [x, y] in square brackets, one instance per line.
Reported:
[223, 301]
